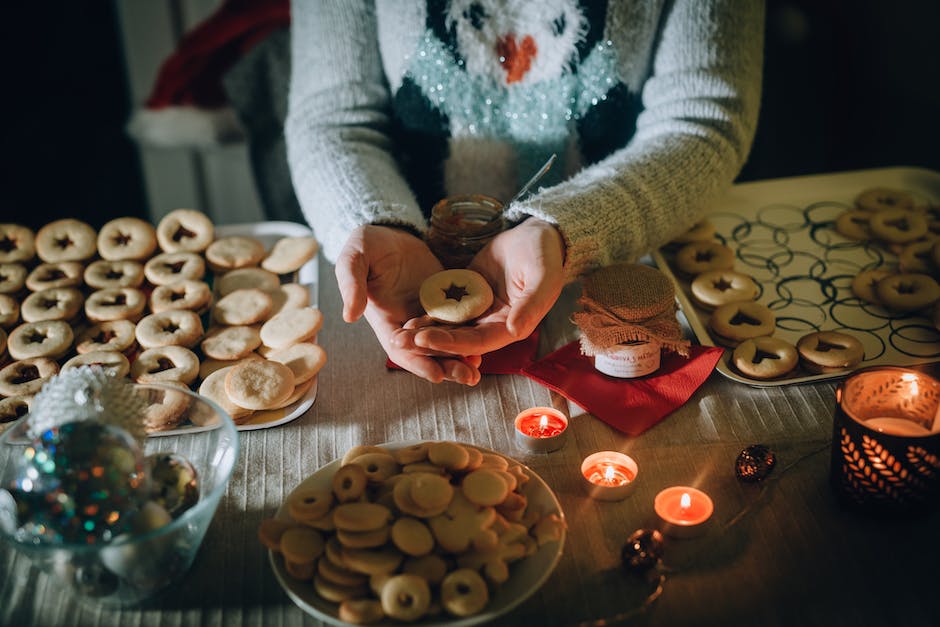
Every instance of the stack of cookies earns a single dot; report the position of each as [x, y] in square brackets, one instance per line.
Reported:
[171, 304]
[413, 532]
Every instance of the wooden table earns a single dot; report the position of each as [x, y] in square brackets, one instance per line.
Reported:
[778, 553]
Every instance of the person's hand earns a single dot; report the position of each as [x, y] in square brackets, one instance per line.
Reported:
[524, 267]
[379, 272]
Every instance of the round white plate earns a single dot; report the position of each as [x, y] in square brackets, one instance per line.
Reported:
[525, 576]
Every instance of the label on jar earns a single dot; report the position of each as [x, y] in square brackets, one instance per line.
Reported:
[627, 361]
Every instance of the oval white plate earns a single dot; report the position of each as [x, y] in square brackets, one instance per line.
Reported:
[525, 576]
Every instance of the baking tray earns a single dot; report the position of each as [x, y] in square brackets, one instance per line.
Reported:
[782, 232]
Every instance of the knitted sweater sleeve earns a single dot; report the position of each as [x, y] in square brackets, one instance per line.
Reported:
[336, 130]
[700, 113]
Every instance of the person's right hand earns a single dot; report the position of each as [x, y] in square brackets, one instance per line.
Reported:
[379, 272]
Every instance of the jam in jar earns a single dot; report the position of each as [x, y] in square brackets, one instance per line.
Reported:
[461, 226]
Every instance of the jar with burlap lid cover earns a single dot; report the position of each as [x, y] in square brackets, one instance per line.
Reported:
[627, 317]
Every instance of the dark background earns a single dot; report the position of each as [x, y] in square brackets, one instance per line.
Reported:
[849, 84]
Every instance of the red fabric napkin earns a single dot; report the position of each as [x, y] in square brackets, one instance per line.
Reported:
[628, 405]
[511, 359]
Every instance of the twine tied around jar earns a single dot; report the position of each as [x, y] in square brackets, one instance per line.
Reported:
[628, 303]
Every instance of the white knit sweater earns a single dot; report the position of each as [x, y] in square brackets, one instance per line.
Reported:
[651, 106]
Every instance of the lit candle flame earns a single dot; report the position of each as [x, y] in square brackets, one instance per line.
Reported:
[609, 474]
[543, 423]
[685, 501]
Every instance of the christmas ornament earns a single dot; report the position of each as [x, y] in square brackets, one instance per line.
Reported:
[754, 463]
[79, 482]
[87, 393]
[642, 551]
[173, 482]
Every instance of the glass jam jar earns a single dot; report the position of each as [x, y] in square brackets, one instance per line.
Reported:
[461, 226]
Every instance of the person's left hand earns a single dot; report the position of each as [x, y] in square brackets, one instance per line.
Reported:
[524, 266]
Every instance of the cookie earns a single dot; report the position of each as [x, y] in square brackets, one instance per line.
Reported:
[455, 296]
[291, 326]
[917, 257]
[230, 343]
[259, 384]
[9, 311]
[881, 198]
[485, 487]
[12, 408]
[464, 592]
[733, 323]
[185, 230]
[907, 291]
[719, 287]
[186, 294]
[864, 283]
[698, 257]
[104, 274]
[113, 335]
[66, 240]
[12, 277]
[49, 275]
[213, 388]
[46, 338]
[174, 327]
[25, 377]
[126, 238]
[765, 358]
[115, 303]
[855, 224]
[305, 359]
[361, 611]
[289, 296]
[165, 364]
[361, 516]
[829, 351]
[174, 266]
[57, 303]
[897, 226]
[349, 483]
[233, 252]
[17, 243]
[243, 306]
[406, 597]
[112, 362]
[245, 278]
[289, 254]
[306, 504]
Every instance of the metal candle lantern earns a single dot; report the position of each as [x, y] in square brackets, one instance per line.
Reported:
[886, 440]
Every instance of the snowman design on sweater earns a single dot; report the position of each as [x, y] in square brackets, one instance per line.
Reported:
[495, 87]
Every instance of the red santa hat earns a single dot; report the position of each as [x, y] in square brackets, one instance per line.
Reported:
[188, 105]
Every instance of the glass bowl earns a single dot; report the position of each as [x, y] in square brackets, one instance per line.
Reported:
[133, 565]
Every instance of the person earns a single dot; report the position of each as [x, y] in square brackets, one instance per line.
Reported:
[651, 107]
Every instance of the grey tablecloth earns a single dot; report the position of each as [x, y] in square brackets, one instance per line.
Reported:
[779, 553]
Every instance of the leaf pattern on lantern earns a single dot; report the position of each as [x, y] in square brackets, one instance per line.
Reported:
[925, 464]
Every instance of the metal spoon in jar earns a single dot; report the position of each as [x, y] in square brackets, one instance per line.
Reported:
[532, 181]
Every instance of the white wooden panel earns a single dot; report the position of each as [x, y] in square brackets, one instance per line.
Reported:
[217, 181]
[230, 186]
[172, 180]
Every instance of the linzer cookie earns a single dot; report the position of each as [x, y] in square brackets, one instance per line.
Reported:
[66, 240]
[185, 230]
[17, 243]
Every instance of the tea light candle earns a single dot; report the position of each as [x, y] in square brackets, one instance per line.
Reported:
[541, 429]
[683, 510]
[609, 475]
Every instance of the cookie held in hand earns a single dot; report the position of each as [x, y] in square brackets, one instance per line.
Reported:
[455, 296]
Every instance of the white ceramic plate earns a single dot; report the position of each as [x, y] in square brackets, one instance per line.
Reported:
[268, 233]
[526, 576]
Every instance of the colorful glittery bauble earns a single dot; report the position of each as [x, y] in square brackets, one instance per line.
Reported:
[173, 482]
[754, 463]
[79, 482]
[642, 550]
